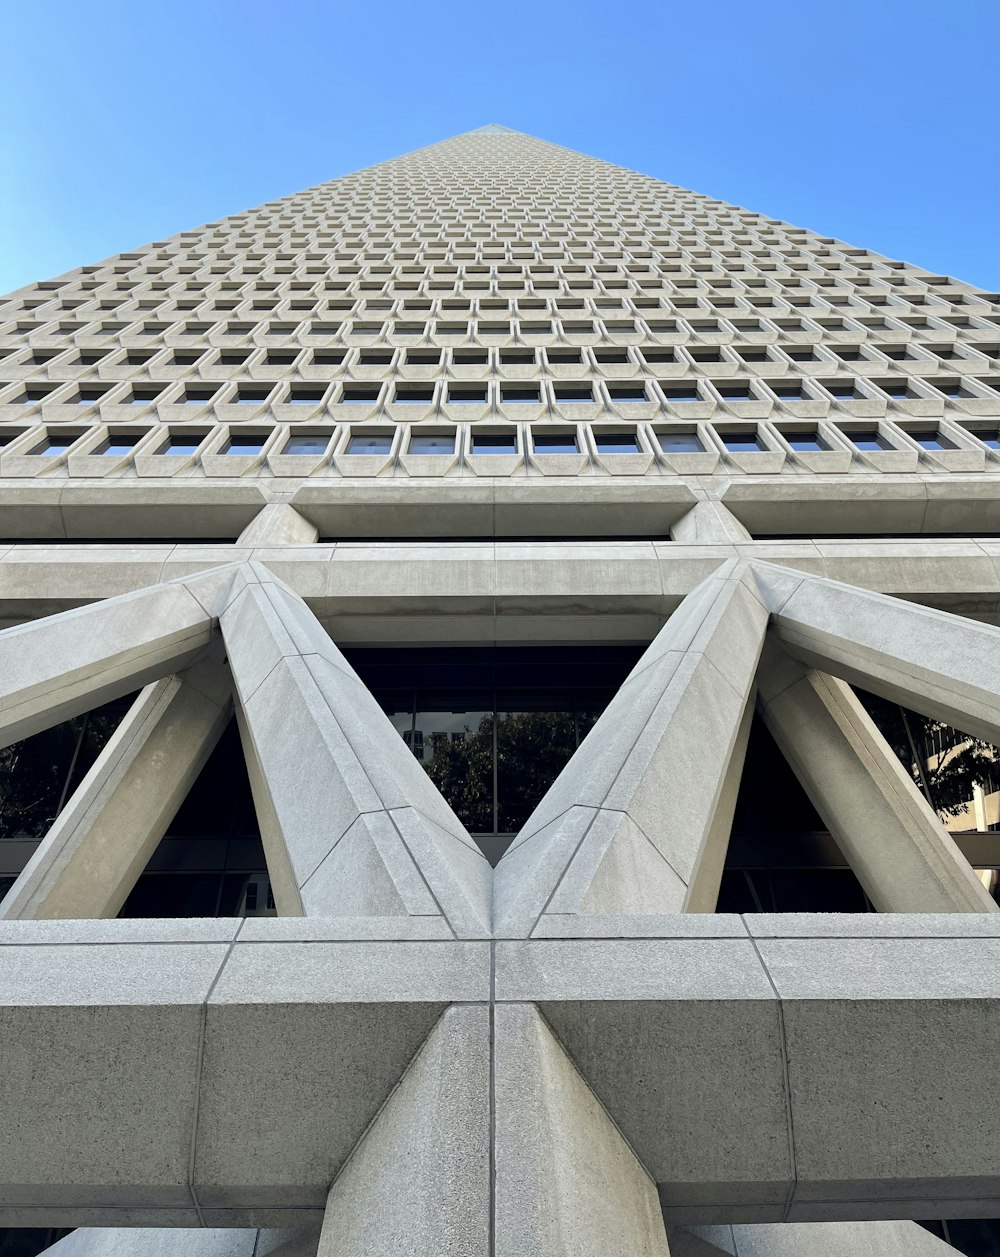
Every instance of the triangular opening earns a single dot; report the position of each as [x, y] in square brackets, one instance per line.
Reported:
[781, 856]
[210, 862]
[39, 774]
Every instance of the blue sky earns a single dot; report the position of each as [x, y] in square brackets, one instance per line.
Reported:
[871, 120]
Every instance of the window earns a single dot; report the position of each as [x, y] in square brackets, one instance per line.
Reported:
[361, 392]
[116, 446]
[743, 442]
[432, 443]
[680, 443]
[232, 359]
[897, 389]
[736, 392]
[517, 357]
[328, 358]
[466, 393]
[567, 392]
[246, 445]
[303, 394]
[554, 443]
[564, 357]
[519, 393]
[870, 440]
[195, 396]
[250, 393]
[626, 392]
[675, 393]
[490, 443]
[414, 394]
[306, 443]
[931, 440]
[53, 445]
[616, 442]
[369, 443]
[179, 445]
[806, 442]
[470, 357]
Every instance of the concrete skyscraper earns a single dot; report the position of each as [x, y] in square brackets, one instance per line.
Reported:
[453, 620]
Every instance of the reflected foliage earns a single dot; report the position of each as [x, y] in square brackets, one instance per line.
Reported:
[942, 762]
[39, 774]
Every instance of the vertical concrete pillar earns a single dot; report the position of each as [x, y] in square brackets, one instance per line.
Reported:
[278, 524]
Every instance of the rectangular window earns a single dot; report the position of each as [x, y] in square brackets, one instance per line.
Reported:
[680, 443]
[572, 392]
[434, 444]
[116, 446]
[306, 443]
[743, 442]
[680, 393]
[251, 393]
[305, 394]
[489, 443]
[806, 442]
[178, 445]
[626, 392]
[414, 394]
[519, 393]
[369, 443]
[933, 440]
[616, 442]
[246, 445]
[466, 393]
[870, 440]
[554, 443]
[53, 445]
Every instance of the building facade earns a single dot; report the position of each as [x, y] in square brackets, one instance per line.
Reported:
[500, 679]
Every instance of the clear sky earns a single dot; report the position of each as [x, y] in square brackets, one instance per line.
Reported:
[124, 121]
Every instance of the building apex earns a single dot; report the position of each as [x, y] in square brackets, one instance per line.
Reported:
[493, 128]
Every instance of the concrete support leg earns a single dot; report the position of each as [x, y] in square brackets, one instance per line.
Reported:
[902, 854]
[709, 523]
[941, 665]
[102, 840]
[419, 1181]
[278, 524]
[351, 823]
[638, 821]
[567, 1183]
[61, 666]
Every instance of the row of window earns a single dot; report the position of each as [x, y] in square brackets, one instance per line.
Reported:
[559, 392]
[443, 442]
[593, 357]
[480, 328]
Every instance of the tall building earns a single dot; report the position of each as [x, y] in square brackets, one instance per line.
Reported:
[500, 674]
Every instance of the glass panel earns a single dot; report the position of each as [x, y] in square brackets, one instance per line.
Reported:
[54, 445]
[494, 445]
[453, 739]
[180, 445]
[372, 443]
[428, 443]
[743, 442]
[534, 744]
[933, 441]
[245, 445]
[869, 440]
[680, 443]
[806, 441]
[116, 447]
[616, 443]
[306, 444]
[555, 444]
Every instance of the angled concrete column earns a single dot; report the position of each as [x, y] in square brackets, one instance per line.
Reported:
[638, 821]
[809, 1239]
[709, 523]
[278, 524]
[942, 665]
[351, 823]
[102, 840]
[419, 1181]
[902, 854]
[59, 667]
[567, 1183]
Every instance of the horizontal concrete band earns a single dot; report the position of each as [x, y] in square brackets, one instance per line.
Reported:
[808, 504]
[500, 589]
[762, 1068]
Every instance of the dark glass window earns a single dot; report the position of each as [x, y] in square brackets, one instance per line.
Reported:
[808, 442]
[554, 443]
[680, 443]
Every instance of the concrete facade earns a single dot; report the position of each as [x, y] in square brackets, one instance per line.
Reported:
[495, 392]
